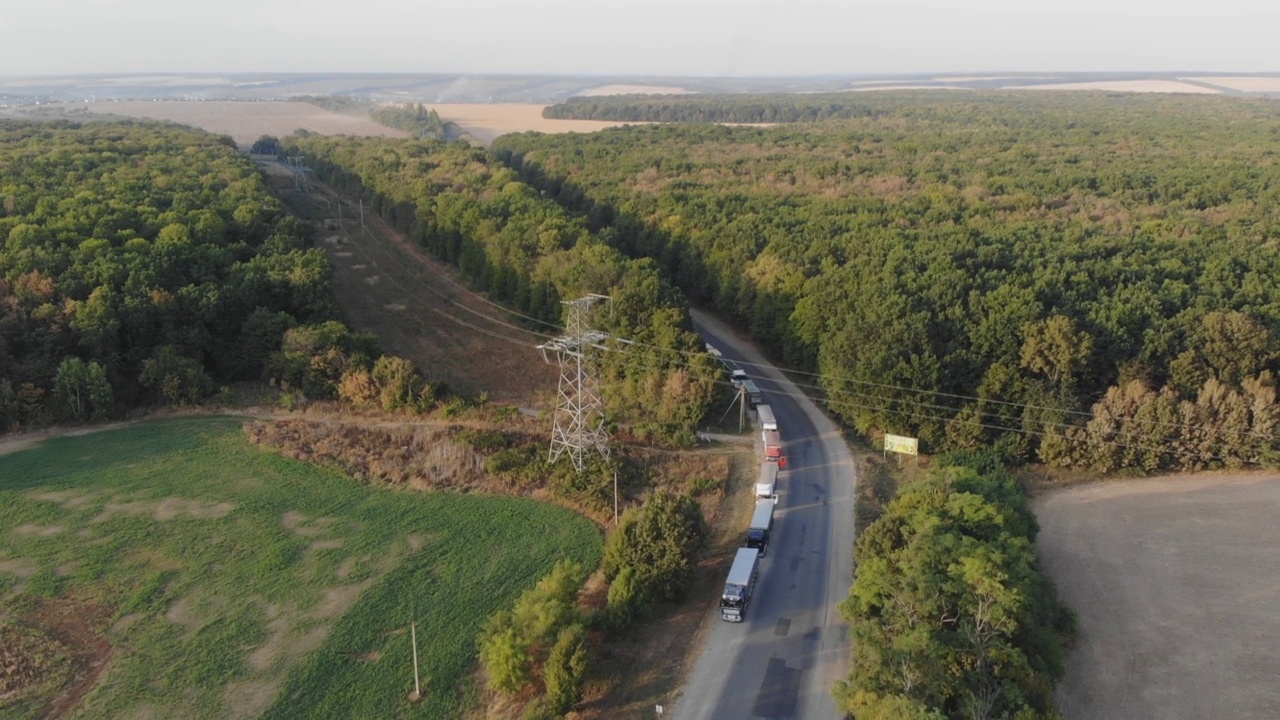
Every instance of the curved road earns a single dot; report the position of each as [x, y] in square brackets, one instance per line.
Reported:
[781, 662]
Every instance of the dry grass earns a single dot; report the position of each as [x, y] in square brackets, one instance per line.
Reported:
[245, 121]
[416, 307]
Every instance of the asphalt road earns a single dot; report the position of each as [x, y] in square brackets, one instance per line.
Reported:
[781, 662]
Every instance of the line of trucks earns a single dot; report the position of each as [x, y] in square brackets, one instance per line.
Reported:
[745, 570]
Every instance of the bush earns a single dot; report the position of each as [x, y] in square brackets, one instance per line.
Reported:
[505, 656]
[565, 669]
[658, 541]
[626, 600]
[174, 378]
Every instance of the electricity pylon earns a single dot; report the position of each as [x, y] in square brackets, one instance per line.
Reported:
[579, 419]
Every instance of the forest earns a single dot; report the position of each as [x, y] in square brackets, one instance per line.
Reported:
[141, 263]
[467, 209]
[736, 107]
[1086, 279]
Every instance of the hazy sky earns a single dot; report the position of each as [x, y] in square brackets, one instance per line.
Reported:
[658, 37]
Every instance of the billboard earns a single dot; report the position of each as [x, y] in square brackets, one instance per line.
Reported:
[901, 444]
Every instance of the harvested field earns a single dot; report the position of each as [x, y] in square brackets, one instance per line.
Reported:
[486, 121]
[1140, 86]
[1242, 83]
[246, 121]
[1176, 583]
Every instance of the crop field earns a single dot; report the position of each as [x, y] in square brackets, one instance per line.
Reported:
[245, 121]
[1176, 585]
[193, 575]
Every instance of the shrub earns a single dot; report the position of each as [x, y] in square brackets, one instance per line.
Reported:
[565, 669]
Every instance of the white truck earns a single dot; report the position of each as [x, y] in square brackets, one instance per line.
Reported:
[740, 585]
[765, 415]
[767, 484]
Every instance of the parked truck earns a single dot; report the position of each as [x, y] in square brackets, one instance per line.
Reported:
[772, 446]
[767, 484]
[761, 525]
[740, 585]
[752, 392]
[765, 414]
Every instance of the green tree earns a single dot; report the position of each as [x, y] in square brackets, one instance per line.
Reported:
[658, 541]
[566, 669]
[84, 389]
[1056, 349]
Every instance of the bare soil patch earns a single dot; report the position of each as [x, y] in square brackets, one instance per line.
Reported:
[1175, 582]
[76, 628]
[246, 121]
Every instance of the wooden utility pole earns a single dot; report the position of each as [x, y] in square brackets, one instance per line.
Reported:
[742, 406]
[417, 685]
[615, 498]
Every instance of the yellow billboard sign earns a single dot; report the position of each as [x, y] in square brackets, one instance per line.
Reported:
[900, 444]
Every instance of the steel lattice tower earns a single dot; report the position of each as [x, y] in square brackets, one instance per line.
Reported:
[579, 417]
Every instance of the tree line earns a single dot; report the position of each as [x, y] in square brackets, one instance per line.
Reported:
[415, 119]
[950, 614]
[977, 269]
[470, 211]
[719, 108]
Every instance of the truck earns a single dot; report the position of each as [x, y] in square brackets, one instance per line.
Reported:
[740, 584]
[752, 392]
[772, 446]
[767, 484]
[761, 524]
[765, 414]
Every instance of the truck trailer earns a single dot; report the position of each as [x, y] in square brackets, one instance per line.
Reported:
[767, 483]
[765, 414]
[740, 585]
[753, 392]
[761, 526]
[772, 446]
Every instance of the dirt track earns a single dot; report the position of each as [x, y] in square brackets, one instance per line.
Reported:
[1176, 582]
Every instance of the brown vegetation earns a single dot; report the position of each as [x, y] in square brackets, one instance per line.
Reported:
[53, 655]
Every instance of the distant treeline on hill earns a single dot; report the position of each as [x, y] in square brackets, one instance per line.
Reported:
[415, 119]
[715, 108]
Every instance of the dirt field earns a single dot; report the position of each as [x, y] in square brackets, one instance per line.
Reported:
[1176, 582]
[486, 121]
[1242, 83]
[246, 121]
[1145, 86]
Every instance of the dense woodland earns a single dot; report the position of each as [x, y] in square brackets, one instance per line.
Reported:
[140, 262]
[1085, 279]
[730, 108]
[950, 614]
[469, 210]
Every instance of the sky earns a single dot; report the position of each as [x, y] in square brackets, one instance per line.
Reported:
[629, 37]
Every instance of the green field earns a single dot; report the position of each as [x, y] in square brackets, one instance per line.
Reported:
[244, 584]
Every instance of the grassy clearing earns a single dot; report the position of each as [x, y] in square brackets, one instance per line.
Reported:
[244, 583]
